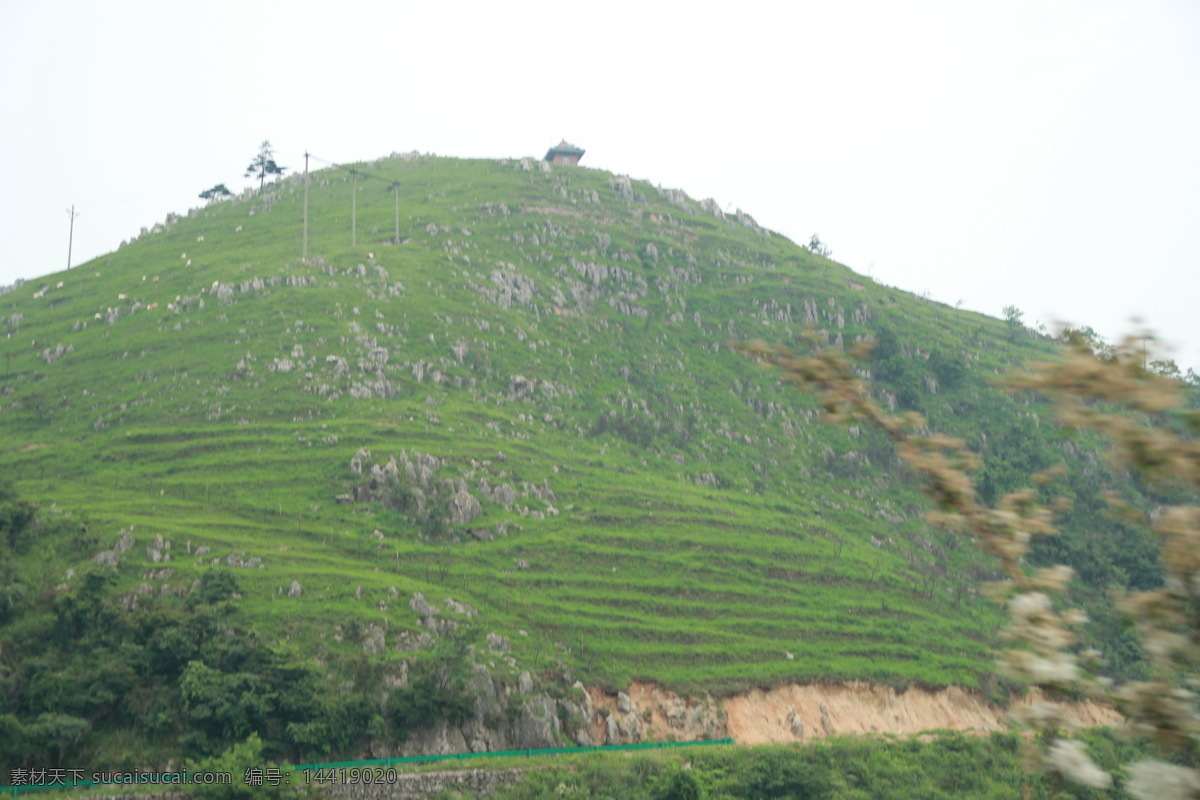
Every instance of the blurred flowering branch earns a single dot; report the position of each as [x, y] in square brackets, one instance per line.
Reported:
[1138, 410]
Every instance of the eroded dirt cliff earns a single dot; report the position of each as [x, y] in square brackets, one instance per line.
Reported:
[518, 716]
[800, 712]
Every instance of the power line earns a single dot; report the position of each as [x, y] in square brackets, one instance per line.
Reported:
[355, 172]
[359, 170]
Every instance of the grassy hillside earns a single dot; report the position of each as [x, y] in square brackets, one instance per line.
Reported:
[576, 453]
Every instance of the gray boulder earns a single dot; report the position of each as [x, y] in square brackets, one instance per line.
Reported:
[537, 725]
[421, 606]
[464, 508]
[611, 734]
[465, 609]
[375, 640]
[124, 542]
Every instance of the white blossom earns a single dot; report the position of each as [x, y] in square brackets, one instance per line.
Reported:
[1155, 780]
[1068, 757]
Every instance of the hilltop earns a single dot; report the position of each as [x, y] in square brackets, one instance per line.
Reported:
[498, 446]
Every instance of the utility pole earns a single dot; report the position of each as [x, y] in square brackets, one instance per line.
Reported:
[304, 253]
[353, 207]
[71, 238]
[396, 189]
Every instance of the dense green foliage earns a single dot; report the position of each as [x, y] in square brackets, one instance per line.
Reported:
[242, 760]
[948, 765]
[89, 665]
[671, 512]
[16, 535]
[437, 689]
[192, 672]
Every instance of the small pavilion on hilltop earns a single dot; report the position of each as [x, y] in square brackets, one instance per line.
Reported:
[564, 153]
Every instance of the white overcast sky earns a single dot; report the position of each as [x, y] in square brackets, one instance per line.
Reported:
[1039, 154]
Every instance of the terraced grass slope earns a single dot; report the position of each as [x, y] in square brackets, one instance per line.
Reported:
[575, 452]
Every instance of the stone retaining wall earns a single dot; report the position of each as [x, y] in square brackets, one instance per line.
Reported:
[479, 782]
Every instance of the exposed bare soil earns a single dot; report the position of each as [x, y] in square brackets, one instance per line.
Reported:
[795, 712]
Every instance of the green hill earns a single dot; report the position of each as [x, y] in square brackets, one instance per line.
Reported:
[528, 405]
